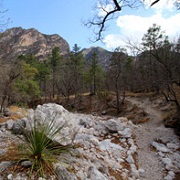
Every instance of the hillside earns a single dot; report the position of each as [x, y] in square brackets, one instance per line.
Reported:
[104, 56]
[106, 147]
[17, 41]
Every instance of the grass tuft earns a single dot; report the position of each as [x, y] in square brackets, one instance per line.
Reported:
[40, 149]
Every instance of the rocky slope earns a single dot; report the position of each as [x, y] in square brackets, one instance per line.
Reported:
[107, 148]
[18, 41]
[104, 56]
[158, 152]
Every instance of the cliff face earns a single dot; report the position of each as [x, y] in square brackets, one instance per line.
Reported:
[18, 41]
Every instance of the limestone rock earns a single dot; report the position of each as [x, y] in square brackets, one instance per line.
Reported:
[9, 124]
[61, 118]
[113, 125]
[160, 147]
[63, 174]
[7, 112]
[26, 164]
[4, 165]
[94, 174]
[126, 133]
[18, 126]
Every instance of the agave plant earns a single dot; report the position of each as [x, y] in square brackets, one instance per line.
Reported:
[40, 148]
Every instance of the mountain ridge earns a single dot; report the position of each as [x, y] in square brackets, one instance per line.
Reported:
[103, 55]
[17, 41]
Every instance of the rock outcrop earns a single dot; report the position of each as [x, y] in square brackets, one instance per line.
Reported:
[18, 41]
[106, 147]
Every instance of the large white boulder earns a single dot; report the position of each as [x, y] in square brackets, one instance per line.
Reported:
[47, 113]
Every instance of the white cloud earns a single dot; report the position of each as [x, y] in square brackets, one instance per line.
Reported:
[103, 9]
[161, 5]
[134, 27]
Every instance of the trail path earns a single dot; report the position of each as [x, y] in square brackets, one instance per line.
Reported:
[147, 133]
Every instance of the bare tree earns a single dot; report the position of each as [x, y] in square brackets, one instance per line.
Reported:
[7, 76]
[116, 76]
[3, 21]
[166, 57]
[107, 10]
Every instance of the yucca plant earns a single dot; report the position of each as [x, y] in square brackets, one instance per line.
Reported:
[40, 148]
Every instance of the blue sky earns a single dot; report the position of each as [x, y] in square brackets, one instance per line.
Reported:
[65, 18]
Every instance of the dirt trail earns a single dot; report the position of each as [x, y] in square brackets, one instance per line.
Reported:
[145, 134]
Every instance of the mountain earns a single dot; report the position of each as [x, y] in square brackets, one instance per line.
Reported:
[18, 41]
[104, 56]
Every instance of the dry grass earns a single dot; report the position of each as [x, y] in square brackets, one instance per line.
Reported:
[143, 120]
[115, 174]
[16, 113]
[131, 116]
[167, 115]
[12, 153]
[148, 94]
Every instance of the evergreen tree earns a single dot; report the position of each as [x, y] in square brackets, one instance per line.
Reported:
[27, 88]
[95, 74]
[76, 66]
[54, 64]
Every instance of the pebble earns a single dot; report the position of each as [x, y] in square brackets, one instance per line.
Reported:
[141, 172]
[4, 165]
[166, 161]
[10, 177]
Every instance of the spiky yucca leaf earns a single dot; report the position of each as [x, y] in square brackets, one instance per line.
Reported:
[41, 150]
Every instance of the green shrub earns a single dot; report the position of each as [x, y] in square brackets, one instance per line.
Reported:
[40, 149]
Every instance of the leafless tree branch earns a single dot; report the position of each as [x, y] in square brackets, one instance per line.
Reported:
[100, 21]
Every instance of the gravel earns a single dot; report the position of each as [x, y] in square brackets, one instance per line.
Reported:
[148, 134]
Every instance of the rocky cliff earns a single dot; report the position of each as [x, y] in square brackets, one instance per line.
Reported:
[18, 41]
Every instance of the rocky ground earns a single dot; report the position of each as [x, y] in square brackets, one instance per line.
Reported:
[106, 147]
[158, 147]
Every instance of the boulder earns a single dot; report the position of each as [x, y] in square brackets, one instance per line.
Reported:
[6, 112]
[4, 165]
[94, 173]
[170, 176]
[9, 124]
[18, 126]
[26, 164]
[61, 118]
[64, 174]
[113, 126]
[160, 147]
[126, 133]
[123, 120]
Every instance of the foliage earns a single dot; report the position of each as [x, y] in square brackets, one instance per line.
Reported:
[162, 63]
[39, 147]
[54, 63]
[26, 84]
[58, 78]
[117, 75]
[8, 73]
[94, 75]
[76, 67]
